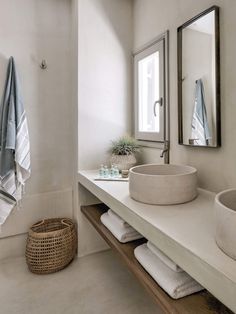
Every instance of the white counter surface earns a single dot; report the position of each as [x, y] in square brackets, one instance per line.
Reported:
[184, 232]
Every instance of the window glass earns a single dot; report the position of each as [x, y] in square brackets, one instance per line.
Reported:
[149, 93]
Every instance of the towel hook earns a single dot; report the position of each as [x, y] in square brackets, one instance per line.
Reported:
[43, 64]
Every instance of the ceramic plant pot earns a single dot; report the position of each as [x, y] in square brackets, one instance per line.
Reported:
[123, 162]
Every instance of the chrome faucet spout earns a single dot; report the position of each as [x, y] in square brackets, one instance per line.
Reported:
[165, 150]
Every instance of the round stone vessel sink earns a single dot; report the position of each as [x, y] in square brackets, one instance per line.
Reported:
[163, 184]
[225, 212]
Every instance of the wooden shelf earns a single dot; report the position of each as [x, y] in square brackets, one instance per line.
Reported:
[199, 303]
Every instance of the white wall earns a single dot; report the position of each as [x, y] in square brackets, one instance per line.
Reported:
[74, 72]
[105, 56]
[32, 30]
[217, 167]
[105, 92]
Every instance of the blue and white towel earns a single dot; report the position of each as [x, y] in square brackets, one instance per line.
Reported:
[14, 144]
[200, 129]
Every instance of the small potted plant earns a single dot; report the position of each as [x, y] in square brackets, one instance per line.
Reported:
[123, 152]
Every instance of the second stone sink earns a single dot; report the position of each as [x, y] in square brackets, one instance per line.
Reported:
[225, 208]
[163, 184]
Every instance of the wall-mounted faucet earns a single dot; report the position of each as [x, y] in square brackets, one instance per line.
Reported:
[165, 152]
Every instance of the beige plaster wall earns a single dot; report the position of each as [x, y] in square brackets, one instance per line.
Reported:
[32, 30]
[216, 167]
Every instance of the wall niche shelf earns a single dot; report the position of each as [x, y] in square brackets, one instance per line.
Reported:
[184, 232]
[201, 303]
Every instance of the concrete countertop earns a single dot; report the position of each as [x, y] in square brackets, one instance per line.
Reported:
[184, 232]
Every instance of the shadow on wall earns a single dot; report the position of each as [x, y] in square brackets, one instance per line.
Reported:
[111, 11]
[3, 71]
[48, 96]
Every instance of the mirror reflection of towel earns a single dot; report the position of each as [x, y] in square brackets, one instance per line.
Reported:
[200, 129]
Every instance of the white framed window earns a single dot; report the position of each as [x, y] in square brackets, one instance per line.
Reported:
[150, 91]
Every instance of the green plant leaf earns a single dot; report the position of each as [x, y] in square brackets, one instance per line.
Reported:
[126, 145]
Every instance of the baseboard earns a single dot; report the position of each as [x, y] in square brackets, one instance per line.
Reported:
[36, 207]
[97, 250]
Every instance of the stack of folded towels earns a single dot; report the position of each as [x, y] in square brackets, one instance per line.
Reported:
[165, 272]
[119, 228]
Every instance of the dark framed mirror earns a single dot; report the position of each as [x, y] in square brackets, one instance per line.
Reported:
[199, 80]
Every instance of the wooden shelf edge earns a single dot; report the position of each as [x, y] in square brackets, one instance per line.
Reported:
[201, 303]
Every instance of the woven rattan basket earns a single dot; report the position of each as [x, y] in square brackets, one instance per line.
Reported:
[51, 245]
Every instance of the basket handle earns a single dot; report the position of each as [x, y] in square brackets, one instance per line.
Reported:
[68, 224]
[37, 224]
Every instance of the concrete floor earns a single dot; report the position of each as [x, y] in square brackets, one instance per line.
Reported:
[95, 284]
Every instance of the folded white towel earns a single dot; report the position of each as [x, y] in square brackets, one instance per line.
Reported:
[177, 285]
[165, 259]
[123, 234]
[117, 219]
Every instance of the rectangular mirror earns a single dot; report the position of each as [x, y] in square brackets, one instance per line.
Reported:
[199, 80]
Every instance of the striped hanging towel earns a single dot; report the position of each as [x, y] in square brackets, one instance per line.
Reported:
[14, 145]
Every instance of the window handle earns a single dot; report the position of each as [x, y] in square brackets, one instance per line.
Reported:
[160, 102]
